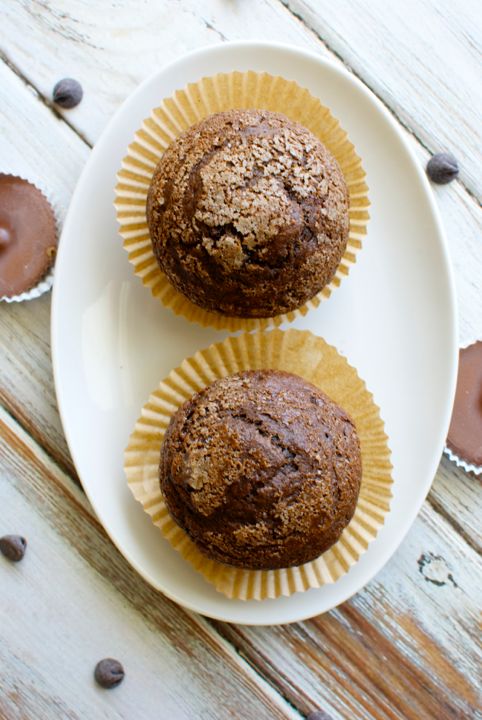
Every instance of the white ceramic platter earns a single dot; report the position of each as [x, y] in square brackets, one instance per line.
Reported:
[394, 319]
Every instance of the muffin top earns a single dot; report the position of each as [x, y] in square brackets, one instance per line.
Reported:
[248, 214]
[261, 469]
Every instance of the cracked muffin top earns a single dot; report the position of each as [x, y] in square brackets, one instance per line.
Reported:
[248, 214]
[261, 469]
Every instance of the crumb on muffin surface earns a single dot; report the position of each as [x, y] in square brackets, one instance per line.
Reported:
[248, 214]
[261, 469]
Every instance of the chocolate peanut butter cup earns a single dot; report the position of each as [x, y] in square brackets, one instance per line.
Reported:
[28, 239]
[464, 440]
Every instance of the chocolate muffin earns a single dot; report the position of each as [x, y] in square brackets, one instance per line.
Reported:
[248, 214]
[261, 469]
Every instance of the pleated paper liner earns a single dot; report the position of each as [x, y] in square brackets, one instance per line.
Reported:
[306, 355]
[189, 106]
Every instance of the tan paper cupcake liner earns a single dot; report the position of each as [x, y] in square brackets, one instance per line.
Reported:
[189, 106]
[306, 355]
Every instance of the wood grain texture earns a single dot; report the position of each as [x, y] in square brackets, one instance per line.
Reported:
[462, 222]
[407, 646]
[421, 57]
[26, 382]
[457, 495]
[411, 627]
[111, 51]
[74, 599]
[38, 144]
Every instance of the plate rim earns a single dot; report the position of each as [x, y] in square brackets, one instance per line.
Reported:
[384, 555]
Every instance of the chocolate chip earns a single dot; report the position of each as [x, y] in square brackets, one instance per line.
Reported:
[109, 673]
[67, 93]
[442, 168]
[13, 547]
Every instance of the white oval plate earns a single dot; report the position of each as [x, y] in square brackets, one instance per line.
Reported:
[393, 317]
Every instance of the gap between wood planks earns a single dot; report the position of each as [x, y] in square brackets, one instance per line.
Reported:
[42, 463]
[279, 682]
[264, 667]
[285, 5]
[44, 100]
[66, 467]
[440, 510]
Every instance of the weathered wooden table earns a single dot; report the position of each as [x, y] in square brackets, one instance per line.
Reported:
[407, 646]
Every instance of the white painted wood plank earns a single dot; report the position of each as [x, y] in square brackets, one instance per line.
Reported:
[110, 52]
[407, 646]
[462, 221]
[421, 612]
[42, 148]
[26, 382]
[422, 57]
[36, 144]
[73, 600]
[458, 495]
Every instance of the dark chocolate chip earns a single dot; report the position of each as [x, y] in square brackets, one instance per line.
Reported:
[442, 168]
[109, 673]
[13, 547]
[67, 93]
